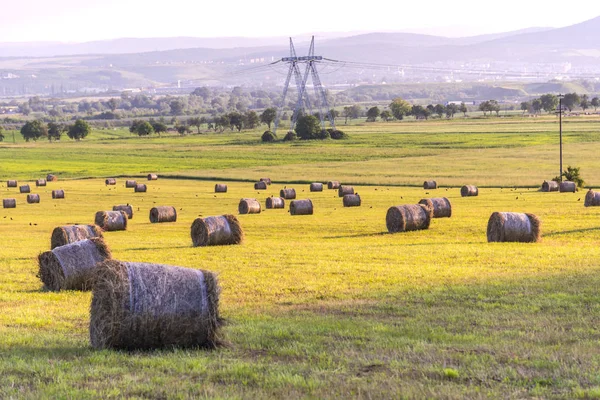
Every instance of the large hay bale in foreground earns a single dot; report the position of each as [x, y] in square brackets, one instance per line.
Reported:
[513, 227]
[139, 306]
[333, 185]
[33, 198]
[58, 194]
[111, 221]
[288, 194]
[249, 206]
[351, 200]
[409, 217]
[592, 199]
[126, 208]
[550, 186]
[430, 185]
[344, 190]
[110, 181]
[71, 267]
[130, 183]
[567, 186]
[301, 207]
[220, 188]
[51, 178]
[262, 185]
[24, 189]
[316, 187]
[215, 231]
[163, 214]
[152, 177]
[469, 191]
[11, 184]
[9, 203]
[439, 206]
[140, 188]
[275, 202]
[63, 235]
[40, 182]
[267, 180]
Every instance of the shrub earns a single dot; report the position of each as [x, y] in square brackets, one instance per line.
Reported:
[290, 136]
[337, 135]
[268, 136]
[571, 174]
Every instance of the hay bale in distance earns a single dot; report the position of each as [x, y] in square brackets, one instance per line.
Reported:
[33, 198]
[469, 191]
[267, 180]
[126, 208]
[275, 202]
[130, 183]
[513, 227]
[58, 194]
[351, 200]
[592, 199]
[220, 188]
[344, 190]
[216, 231]
[24, 189]
[430, 185]
[316, 187]
[71, 267]
[333, 185]
[11, 184]
[288, 194]
[152, 177]
[262, 185]
[163, 214]
[40, 182]
[567, 186]
[550, 186]
[9, 203]
[301, 207]
[249, 206]
[111, 221]
[140, 188]
[409, 217]
[439, 206]
[63, 235]
[51, 178]
[139, 306]
[110, 181]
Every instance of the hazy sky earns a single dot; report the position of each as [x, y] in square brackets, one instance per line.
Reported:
[85, 20]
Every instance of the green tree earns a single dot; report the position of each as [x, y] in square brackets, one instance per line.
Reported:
[236, 120]
[55, 130]
[549, 102]
[79, 130]
[334, 114]
[440, 110]
[195, 121]
[158, 126]
[182, 129]
[585, 102]
[308, 127]
[268, 116]
[251, 120]
[141, 128]
[34, 130]
[595, 103]
[420, 112]
[177, 107]
[1, 133]
[451, 109]
[463, 108]
[400, 108]
[373, 113]
[525, 106]
[385, 115]
[571, 100]
[494, 107]
[113, 104]
[485, 107]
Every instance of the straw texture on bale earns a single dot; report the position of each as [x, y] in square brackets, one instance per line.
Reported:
[9, 203]
[301, 207]
[140, 187]
[288, 194]
[351, 200]
[411, 217]
[267, 180]
[130, 184]
[275, 202]
[51, 178]
[111, 221]
[33, 198]
[550, 186]
[152, 177]
[262, 185]
[24, 189]
[110, 181]
[440, 207]
[58, 194]
[344, 190]
[12, 184]
[71, 267]
[126, 208]
[513, 227]
[249, 206]
[592, 199]
[63, 235]
[430, 185]
[316, 187]
[163, 214]
[139, 306]
[469, 190]
[216, 231]
[333, 185]
[567, 186]
[40, 182]
[220, 188]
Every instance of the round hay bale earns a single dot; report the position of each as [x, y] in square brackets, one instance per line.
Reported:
[430, 185]
[567, 186]
[51, 178]
[288, 194]
[316, 187]
[33, 198]
[409, 217]
[216, 231]
[40, 182]
[301, 207]
[24, 189]
[58, 194]
[111, 220]
[152, 177]
[11, 184]
[513, 227]
[333, 185]
[110, 181]
[63, 235]
[275, 202]
[9, 203]
[126, 208]
[469, 191]
[351, 200]
[440, 207]
[163, 214]
[344, 190]
[592, 199]
[71, 267]
[140, 188]
[267, 180]
[130, 184]
[550, 186]
[262, 185]
[220, 188]
[139, 306]
[249, 206]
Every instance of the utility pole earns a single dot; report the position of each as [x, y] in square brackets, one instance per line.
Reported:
[560, 111]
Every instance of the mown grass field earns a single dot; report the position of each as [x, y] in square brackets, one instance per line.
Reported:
[327, 305]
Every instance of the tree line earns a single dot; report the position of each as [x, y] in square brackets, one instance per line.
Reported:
[550, 102]
[38, 129]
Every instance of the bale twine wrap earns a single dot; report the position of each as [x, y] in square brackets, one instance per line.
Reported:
[333, 185]
[411, 217]
[430, 185]
[140, 306]
[163, 214]
[262, 185]
[469, 191]
[440, 207]
[344, 190]
[249, 206]
[9, 203]
[288, 194]
[24, 189]
[130, 184]
[40, 182]
[267, 180]
[33, 198]
[513, 227]
[63, 235]
[111, 221]
[275, 202]
[301, 207]
[58, 194]
[140, 188]
[351, 200]
[12, 184]
[550, 186]
[316, 187]
[110, 181]
[51, 178]
[220, 188]
[216, 231]
[126, 208]
[592, 199]
[71, 267]
[152, 177]
[567, 186]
